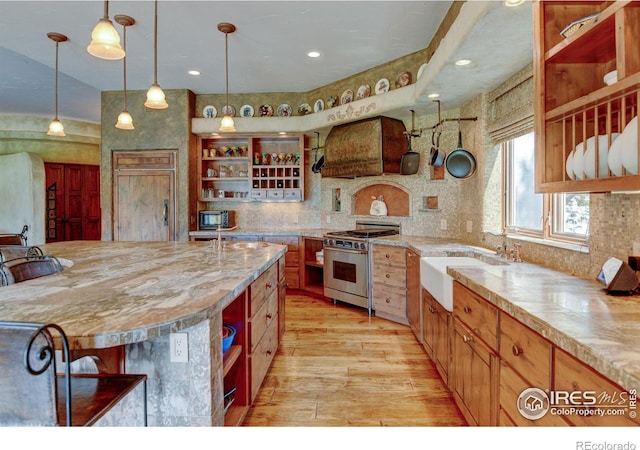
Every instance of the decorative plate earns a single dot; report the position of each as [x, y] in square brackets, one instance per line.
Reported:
[332, 101]
[363, 92]
[246, 111]
[382, 86]
[404, 79]
[284, 110]
[304, 109]
[347, 97]
[209, 112]
[318, 105]
[421, 69]
[266, 110]
[229, 110]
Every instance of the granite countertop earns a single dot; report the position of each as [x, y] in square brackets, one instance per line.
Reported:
[114, 293]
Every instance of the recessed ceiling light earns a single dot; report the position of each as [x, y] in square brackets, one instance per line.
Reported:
[282, 133]
[434, 95]
[463, 62]
[513, 2]
[313, 54]
[194, 72]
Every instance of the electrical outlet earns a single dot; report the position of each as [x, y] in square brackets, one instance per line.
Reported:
[443, 224]
[469, 226]
[179, 347]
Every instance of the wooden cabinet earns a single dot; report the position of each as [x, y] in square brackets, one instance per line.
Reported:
[234, 364]
[250, 168]
[262, 327]
[436, 333]
[525, 362]
[474, 375]
[592, 391]
[312, 271]
[292, 258]
[414, 304]
[573, 103]
[389, 293]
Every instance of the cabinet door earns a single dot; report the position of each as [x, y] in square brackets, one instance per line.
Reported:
[413, 294]
[428, 326]
[474, 377]
[441, 340]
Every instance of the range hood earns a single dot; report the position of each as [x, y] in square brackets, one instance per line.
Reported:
[367, 147]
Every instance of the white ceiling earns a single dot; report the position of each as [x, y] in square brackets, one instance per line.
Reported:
[267, 53]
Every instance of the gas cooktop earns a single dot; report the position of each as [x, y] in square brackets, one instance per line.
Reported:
[364, 233]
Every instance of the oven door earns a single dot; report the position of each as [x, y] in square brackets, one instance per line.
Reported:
[346, 276]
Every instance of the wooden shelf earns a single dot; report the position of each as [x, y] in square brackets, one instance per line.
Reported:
[230, 357]
[314, 264]
[235, 415]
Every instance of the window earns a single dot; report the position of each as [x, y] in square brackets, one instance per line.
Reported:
[562, 217]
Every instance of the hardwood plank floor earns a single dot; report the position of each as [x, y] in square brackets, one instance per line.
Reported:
[338, 367]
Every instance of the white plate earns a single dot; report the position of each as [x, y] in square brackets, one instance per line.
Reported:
[629, 147]
[590, 156]
[611, 77]
[614, 158]
[363, 92]
[284, 110]
[209, 112]
[318, 105]
[304, 109]
[246, 111]
[382, 86]
[421, 69]
[569, 166]
[229, 110]
[347, 97]
[578, 161]
[403, 79]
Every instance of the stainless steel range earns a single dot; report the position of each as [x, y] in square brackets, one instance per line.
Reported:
[347, 265]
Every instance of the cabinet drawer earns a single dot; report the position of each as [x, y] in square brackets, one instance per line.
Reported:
[477, 313]
[385, 255]
[259, 194]
[262, 357]
[261, 320]
[573, 375]
[275, 194]
[511, 386]
[262, 288]
[389, 299]
[390, 275]
[292, 194]
[526, 351]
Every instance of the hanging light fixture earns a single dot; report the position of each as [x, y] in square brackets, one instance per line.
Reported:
[155, 96]
[105, 40]
[55, 127]
[125, 121]
[227, 124]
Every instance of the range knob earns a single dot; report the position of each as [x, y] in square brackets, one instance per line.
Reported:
[363, 246]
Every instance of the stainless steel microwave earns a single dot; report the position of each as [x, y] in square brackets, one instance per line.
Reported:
[211, 220]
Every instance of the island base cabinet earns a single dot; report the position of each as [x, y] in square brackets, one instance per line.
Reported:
[261, 358]
[436, 326]
[474, 377]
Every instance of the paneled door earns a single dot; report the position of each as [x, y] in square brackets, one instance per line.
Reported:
[144, 196]
[72, 202]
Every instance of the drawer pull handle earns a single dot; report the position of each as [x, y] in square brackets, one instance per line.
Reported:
[467, 310]
[517, 351]
[432, 310]
[387, 256]
[388, 300]
[467, 339]
[269, 352]
[268, 285]
[388, 275]
[269, 315]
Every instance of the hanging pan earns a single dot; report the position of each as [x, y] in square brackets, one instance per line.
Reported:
[460, 163]
[410, 161]
[437, 155]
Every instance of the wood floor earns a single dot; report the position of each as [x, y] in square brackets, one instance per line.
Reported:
[338, 367]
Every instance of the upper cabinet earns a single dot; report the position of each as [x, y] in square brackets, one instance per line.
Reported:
[251, 168]
[587, 85]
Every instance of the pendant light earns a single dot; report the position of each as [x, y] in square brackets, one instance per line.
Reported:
[155, 96]
[125, 121]
[105, 40]
[55, 127]
[227, 125]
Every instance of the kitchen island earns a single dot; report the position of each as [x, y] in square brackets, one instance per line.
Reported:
[131, 296]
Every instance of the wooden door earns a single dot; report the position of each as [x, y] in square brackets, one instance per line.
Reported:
[73, 202]
[144, 196]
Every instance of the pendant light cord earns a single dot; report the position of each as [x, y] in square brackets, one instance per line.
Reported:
[155, 45]
[226, 58]
[124, 35]
[106, 9]
[57, 43]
